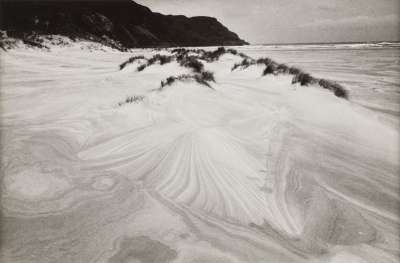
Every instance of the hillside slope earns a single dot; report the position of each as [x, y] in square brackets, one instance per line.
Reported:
[121, 22]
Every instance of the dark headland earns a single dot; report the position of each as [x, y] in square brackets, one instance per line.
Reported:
[118, 23]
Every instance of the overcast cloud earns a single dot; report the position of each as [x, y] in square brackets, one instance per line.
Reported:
[291, 21]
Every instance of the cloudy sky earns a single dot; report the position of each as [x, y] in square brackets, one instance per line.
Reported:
[295, 21]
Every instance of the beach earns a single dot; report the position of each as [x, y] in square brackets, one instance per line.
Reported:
[103, 164]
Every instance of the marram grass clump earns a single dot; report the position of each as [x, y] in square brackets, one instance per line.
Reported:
[304, 79]
[299, 76]
[130, 61]
[191, 62]
[202, 78]
[192, 58]
[132, 99]
[269, 69]
[336, 88]
[162, 59]
[245, 63]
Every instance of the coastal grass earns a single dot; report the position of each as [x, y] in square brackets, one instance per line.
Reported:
[299, 76]
[192, 59]
[191, 62]
[269, 69]
[161, 59]
[132, 99]
[130, 61]
[245, 63]
[202, 78]
[336, 88]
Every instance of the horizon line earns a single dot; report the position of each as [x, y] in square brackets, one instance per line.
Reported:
[333, 42]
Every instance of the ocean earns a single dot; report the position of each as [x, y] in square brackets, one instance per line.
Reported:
[370, 71]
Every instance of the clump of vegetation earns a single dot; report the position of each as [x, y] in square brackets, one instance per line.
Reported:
[168, 81]
[211, 56]
[270, 65]
[191, 62]
[132, 99]
[202, 78]
[244, 64]
[130, 61]
[236, 53]
[242, 55]
[282, 68]
[172, 79]
[33, 43]
[269, 69]
[265, 61]
[141, 67]
[159, 58]
[304, 79]
[179, 50]
[207, 76]
[232, 51]
[182, 52]
[294, 71]
[162, 59]
[336, 88]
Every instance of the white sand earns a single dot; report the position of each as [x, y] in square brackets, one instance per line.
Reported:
[253, 170]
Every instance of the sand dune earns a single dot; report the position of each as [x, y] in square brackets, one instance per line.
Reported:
[253, 169]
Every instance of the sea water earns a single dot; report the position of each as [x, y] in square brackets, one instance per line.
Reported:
[369, 71]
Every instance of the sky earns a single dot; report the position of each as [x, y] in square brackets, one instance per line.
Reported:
[295, 21]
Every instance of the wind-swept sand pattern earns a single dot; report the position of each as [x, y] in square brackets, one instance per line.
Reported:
[253, 169]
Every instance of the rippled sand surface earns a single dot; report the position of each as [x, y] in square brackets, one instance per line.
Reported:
[253, 170]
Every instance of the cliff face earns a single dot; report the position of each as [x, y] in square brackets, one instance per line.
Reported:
[123, 21]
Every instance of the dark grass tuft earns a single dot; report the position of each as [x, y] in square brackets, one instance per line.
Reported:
[236, 53]
[244, 64]
[132, 99]
[232, 51]
[242, 55]
[294, 71]
[211, 56]
[179, 50]
[172, 79]
[191, 62]
[141, 67]
[162, 59]
[282, 68]
[265, 61]
[202, 78]
[129, 61]
[199, 79]
[269, 69]
[207, 76]
[304, 79]
[168, 81]
[336, 88]
[34, 43]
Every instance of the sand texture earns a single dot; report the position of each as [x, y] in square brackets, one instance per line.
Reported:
[252, 169]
